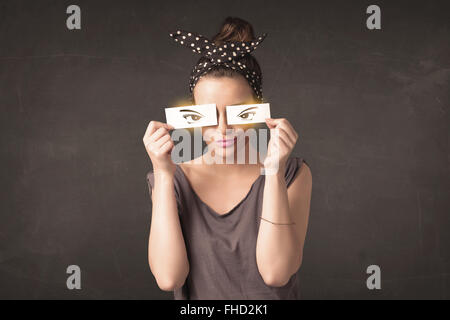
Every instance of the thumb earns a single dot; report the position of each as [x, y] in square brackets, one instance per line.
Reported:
[168, 126]
[270, 124]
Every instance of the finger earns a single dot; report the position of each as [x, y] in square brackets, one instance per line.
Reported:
[153, 140]
[154, 136]
[158, 134]
[284, 144]
[286, 122]
[167, 147]
[286, 126]
[152, 127]
[155, 125]
[269, 123]
[283, 123]
[282, 137]
[274, 121]
[169, 126]
[280, 132]
[288, 135]
[162, 140]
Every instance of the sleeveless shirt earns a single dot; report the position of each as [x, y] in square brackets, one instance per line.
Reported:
[221, 248]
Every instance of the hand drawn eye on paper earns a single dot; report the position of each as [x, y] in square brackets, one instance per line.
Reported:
[248, 113]
[192, 116]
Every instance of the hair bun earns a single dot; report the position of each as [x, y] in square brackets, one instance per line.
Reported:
[234, 29]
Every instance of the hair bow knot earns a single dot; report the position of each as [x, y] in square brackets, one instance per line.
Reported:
[228, 53]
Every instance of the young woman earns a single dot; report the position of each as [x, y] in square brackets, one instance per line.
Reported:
[226, 231]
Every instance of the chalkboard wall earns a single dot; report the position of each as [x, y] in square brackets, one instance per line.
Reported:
[371, 108]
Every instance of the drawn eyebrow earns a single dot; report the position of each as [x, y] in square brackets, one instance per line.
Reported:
[188, 110]
[247, 110]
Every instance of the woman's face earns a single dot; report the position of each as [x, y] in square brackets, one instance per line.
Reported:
[223, 91]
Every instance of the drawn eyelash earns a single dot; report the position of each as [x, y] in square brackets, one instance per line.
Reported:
[247, 115]
[193, 117]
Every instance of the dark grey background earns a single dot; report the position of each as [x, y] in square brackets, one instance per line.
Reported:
[371, 107]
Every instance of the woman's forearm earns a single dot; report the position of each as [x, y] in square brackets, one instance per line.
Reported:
[166, 249]
[277, 245]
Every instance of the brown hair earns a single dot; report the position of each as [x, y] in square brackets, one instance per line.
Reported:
[233, 29]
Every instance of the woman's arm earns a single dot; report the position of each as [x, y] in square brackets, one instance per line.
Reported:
[166, 248]
[279, 248]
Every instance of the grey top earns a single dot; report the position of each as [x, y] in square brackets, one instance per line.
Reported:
[221, 248]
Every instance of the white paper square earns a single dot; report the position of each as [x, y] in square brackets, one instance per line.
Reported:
[192, 116]
[248, 113]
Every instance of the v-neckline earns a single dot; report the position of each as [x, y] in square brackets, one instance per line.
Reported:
[214, 212]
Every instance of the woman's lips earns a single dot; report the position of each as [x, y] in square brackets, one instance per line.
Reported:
[225, 143]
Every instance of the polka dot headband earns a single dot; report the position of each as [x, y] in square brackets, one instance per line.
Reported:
[227, 54]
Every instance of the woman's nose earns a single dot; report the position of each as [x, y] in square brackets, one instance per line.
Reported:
[222, 125]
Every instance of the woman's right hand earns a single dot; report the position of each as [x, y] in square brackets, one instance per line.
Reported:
[159, 145]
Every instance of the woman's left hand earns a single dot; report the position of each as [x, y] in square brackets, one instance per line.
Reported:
[283, 138]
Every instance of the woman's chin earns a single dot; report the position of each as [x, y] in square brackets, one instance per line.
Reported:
[229, 154]
[225, 152]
